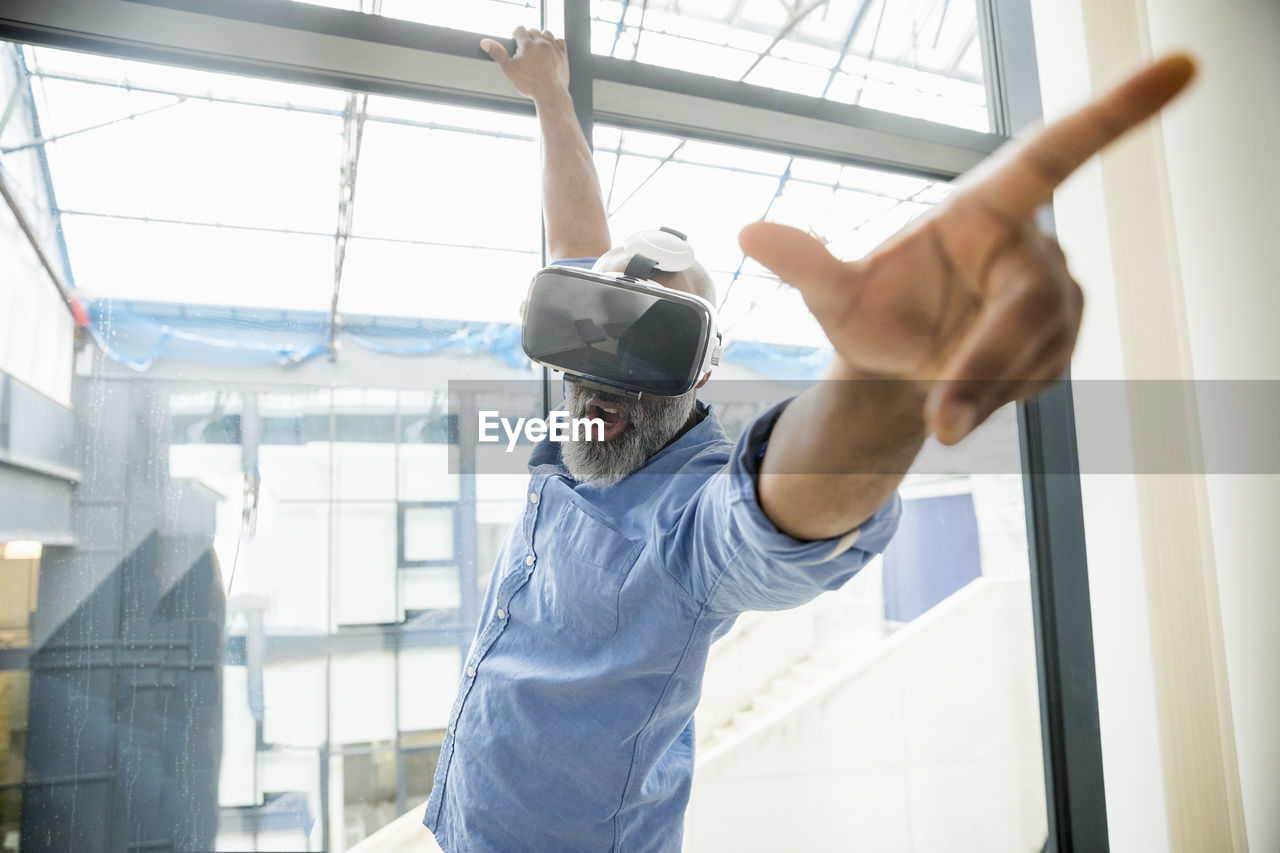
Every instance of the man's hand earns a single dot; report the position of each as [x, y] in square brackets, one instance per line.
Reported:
[971, 300]
[540, 68]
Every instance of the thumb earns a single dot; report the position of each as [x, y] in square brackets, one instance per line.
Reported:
[496, 51]
[799, 259]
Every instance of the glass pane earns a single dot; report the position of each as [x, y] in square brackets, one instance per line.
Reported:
[424, 473]
[17, 592]
[430, 591]
[237, 526]
[361, 686]
[32, 312]
[244, 472]
[19, 582]
[294, 706]
[918, 58]
[276, 252]
[720, 189]
[364, 451]
[930, 648]
[14, 689]
[428, 534]
[418, 231]
[419, 770]
[365, 562]
[428, 681]
[425, 233]
[369, 792]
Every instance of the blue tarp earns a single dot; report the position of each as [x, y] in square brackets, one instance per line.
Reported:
[138, 334]
[778, 361]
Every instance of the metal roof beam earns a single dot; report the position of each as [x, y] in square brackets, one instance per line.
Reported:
[645, 97]
[282, 40]
[350, 50]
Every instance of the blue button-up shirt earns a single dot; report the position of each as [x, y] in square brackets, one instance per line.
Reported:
[573, 726]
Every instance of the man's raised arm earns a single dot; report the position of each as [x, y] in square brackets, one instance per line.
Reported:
[576, 223]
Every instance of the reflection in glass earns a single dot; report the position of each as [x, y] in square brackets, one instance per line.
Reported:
[368, 776]
[428, 533]
[242, 593]
[19, 582]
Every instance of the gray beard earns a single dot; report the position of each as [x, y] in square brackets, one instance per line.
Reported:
[653, 422]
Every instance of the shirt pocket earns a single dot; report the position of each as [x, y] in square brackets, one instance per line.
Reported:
[581, 571]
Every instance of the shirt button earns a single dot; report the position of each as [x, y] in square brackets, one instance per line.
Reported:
[471, 672]
[502, 614]
[533, 497]
[529, 560]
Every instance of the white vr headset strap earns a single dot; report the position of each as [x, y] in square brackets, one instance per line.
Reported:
[664, 250]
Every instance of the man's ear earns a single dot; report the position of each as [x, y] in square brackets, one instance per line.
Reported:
[705, 377]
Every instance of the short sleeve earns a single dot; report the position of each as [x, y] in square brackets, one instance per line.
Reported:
[738, 560]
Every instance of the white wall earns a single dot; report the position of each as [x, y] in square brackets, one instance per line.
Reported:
[1126, 692]
[1218, 184]
[1224, 182]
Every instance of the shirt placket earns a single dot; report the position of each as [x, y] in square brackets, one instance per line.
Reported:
[511, 583]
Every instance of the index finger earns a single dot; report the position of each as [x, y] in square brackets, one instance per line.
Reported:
[1023, 177]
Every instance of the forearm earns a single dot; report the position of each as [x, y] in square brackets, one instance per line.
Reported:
[571, 199]
[838, 452]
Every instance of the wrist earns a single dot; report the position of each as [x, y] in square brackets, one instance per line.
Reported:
[552, 98]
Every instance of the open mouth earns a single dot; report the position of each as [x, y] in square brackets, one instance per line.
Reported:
[614, 416]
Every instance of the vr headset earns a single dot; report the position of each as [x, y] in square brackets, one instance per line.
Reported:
[622, 332]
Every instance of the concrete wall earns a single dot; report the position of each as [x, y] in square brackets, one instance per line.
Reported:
[931, 742]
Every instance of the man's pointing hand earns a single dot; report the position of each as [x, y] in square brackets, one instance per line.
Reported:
[970, 299]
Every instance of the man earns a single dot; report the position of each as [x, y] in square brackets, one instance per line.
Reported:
[573, 726]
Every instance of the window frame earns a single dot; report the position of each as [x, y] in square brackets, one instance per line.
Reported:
[402, 510]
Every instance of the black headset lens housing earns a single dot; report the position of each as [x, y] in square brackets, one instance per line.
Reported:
[615, 331]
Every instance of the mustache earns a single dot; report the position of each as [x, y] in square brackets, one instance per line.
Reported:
[608, 397]
[580, 396]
